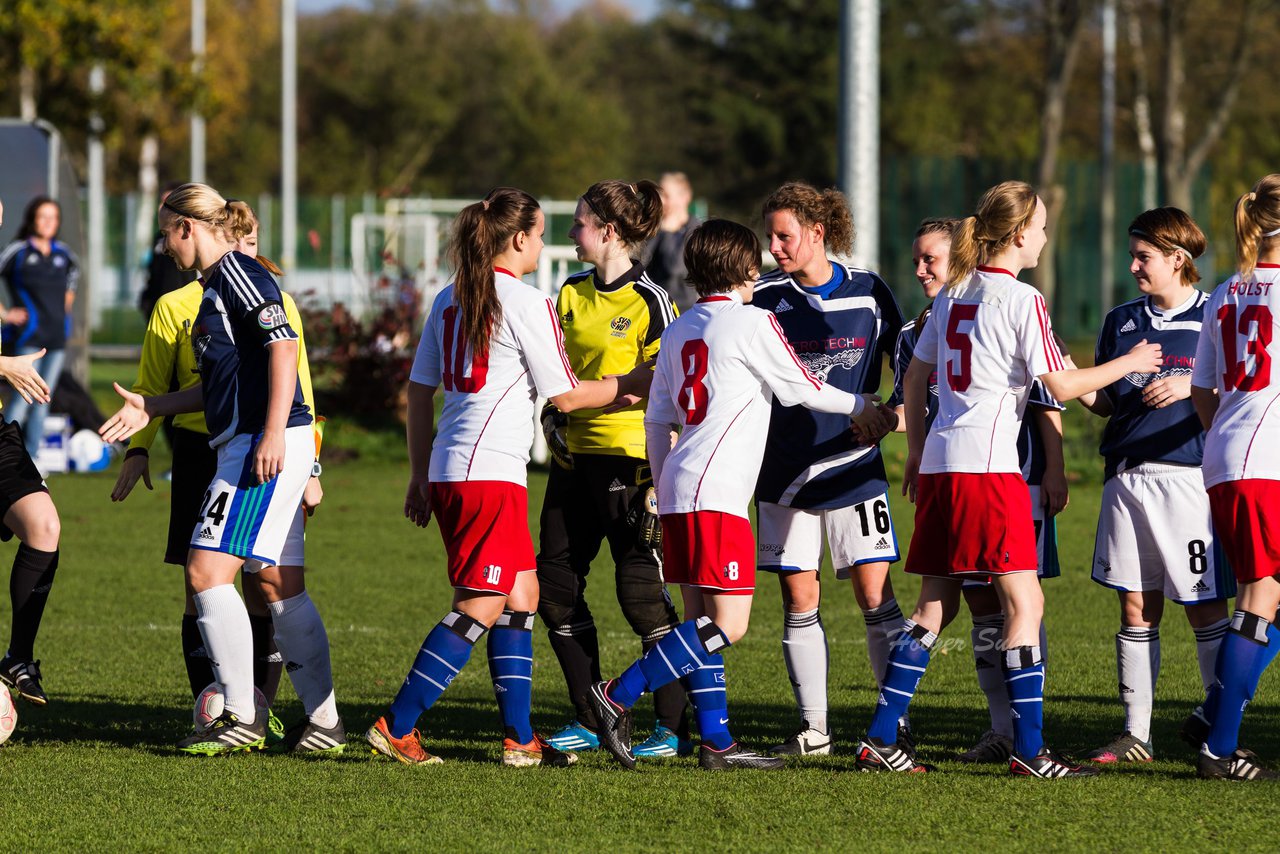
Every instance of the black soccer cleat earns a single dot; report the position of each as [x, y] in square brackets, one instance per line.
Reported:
[24, 678]
[1241, 766]
[906, 738]
[736, 756]
[226, 734]
[615, 725]
[1047, 765]
[876, 756]
[306, 737]
[992, 747]
[1195, 729]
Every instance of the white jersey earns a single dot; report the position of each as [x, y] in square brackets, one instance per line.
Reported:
[486, 425]
[720, 366]
[1238, 345]
[989, 337]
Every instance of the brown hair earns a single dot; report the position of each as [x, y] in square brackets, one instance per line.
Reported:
[720, 255]
[811, 206]
[1002, 214]
[938, 225]
[1172, 230]
[241, 221]
[481, 232]
[1257, 214]
[634, 210]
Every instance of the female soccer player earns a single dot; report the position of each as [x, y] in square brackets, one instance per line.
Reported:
[42, 273]
[247, 355]
[987, 337]
[495, 345]
[817, 478]
[1155, 536]
[720, 365]
[26, 510]
[167, 356]
[1042, 466]
[1233, 392]
[612, 317]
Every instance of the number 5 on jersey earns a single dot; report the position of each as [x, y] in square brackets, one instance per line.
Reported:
[959, 369]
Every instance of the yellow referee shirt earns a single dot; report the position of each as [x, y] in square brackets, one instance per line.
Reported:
[609, 328]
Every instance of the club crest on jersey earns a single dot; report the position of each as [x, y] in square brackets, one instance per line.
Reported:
[272, 316]
[1144, 380]
[620, 325]
[822, 364]
[200, 339]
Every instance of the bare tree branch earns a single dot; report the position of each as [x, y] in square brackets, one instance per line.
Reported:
[1226, 96]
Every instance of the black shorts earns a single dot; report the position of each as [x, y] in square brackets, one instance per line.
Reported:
[19, 476]
[194, 465]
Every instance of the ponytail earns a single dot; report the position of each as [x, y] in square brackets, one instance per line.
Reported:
[634, 210]
[1002, 214]
[1257, 220]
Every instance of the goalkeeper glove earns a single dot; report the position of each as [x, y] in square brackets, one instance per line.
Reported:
[555, 426]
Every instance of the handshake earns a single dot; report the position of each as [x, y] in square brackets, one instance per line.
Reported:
[874, 422]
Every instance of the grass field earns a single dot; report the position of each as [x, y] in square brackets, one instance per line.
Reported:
[96, 768]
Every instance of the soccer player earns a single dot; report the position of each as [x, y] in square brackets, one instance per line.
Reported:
[247, 355]
[817, 478]
[495, 345]
[1232, 388]
[27, 511]
[987, 337]
[1155, 537]
[720, 365]
[168, 358]
[1042, 466]
[612, 316]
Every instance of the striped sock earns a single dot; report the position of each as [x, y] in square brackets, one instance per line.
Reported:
[511, 667]
[687, 647]
[988, 661]
[443, 655]
[804, 649]
[1024, 679]
[907, 663]
[1214, 694]
[882, 626]
[1138, 668]
[1244, 655]
[706, 687]
[1208, 639]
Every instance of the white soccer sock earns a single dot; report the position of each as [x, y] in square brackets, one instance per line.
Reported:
[1138, 664]
[228, 639]
[303, 642]
[1208, 639]
[883, 625]
[988, 661]
[804, 648]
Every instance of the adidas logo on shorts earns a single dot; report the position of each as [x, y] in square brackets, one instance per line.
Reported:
[206, 534]
[883, 544]
[783, 305]
[616, 486]
[1128, 327]
[1199, 587]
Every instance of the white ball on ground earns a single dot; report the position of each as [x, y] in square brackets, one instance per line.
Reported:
[210, 703]
[8, 715]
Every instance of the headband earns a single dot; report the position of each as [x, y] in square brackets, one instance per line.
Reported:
[1139, 233]
[1272, 233]
[595, 210]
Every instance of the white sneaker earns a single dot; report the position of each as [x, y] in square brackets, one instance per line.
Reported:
[806, 742]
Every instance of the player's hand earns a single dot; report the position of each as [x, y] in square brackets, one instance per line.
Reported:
[129, 419]
[417, 502]
[20, 372]
[634, 384]
[1145, 358]
[910, 475]
[312, 495]
[555, 426]
[16, 316]
[886, 426]
[137, 466]
[622, 402]
[268, 457]
[874, 419]
[1167, 391]
[1054, 493]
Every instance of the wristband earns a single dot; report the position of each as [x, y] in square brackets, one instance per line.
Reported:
[136, 452]
[858, 404]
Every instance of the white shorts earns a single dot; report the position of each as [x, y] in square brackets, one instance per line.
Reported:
[241, 517]
[790, 539]
[1047, 565]
[1155, 533]
[294, 552]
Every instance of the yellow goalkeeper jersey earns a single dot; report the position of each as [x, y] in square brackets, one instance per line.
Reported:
[609, 328]
[169, 364]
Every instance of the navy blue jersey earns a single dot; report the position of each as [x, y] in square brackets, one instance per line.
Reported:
[240, 317]
[841, 332]
[1030, 443]
[39, 283]
[903, 351]
[1137, 433]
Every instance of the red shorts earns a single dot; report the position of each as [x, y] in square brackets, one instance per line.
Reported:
[709, 549]
[972, 524]
[485, 528]
[1246, 526]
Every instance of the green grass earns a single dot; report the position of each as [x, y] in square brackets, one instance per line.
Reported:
[96, 768]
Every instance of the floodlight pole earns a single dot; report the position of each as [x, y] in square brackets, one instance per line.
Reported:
[197, 66]
[97, 187]
[859, 155]
[1107, 156]
[289, 134]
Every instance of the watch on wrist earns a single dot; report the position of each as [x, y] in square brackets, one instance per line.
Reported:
[316, 469]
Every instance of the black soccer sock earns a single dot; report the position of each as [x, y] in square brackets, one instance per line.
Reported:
[29, 585]
[268, 663]
[195, 656]
[577, 646]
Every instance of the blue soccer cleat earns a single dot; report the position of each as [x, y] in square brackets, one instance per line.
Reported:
[575, 738]
[662, 744]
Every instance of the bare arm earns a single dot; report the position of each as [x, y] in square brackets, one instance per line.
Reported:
[1054, 493]
[138, 411]
[915, 393]
[282, 384]
[1206, 402]
[1070, 384]
[418, 434]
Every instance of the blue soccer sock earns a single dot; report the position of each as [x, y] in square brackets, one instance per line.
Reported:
[1024, 680]
[511, 667]
[706, 687]
[686, 648]
[1214, 694]
[1245, 653]
[444, 653]
[907, 662]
